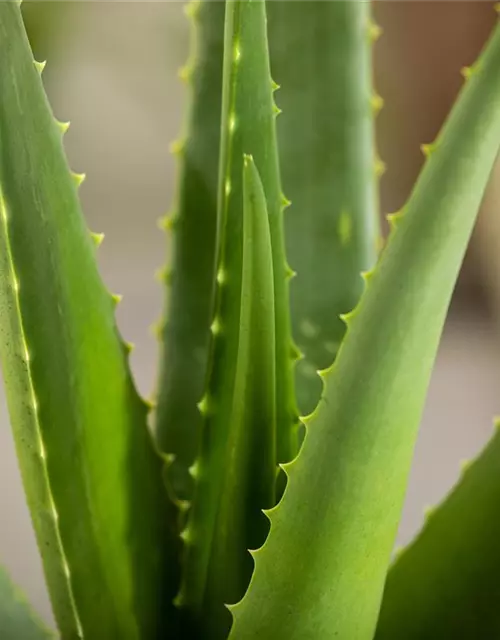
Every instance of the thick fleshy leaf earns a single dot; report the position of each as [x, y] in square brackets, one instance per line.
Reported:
[91, 474]
[193, 225]
[445, 584]
[322, 569]
[236, 470]
[321, 58]
[236, 481]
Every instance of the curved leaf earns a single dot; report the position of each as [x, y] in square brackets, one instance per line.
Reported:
[321, 572]
[91, 474]
[445, 584]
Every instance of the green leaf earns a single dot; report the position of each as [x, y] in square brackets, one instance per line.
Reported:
[232, 486]
[236, 478]
[91, 474]
[321, 572]
[445, 584]
[17, 620]
[321, 58]
[193, 224]
[249, 127]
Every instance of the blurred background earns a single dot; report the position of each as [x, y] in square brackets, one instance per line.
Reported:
[112, 71]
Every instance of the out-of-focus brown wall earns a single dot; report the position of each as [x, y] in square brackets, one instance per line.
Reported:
[418, 60]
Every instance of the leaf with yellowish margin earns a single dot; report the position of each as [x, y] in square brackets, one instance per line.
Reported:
[91, 474]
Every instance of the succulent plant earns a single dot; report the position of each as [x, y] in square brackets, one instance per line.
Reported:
[237, 518]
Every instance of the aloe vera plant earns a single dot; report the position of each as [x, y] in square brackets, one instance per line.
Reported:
[236, 519]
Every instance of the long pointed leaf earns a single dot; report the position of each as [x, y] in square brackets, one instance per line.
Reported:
[321, 572]
[236, 469]
[90, 472]
[190, 280]
[17, 620]
[248, 127]
[227, 518]
[445, 584]
[321, 58]
[224, 523]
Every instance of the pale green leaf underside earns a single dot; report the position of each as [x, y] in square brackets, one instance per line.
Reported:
[17, 620]
[91, 475]
[322, 570]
